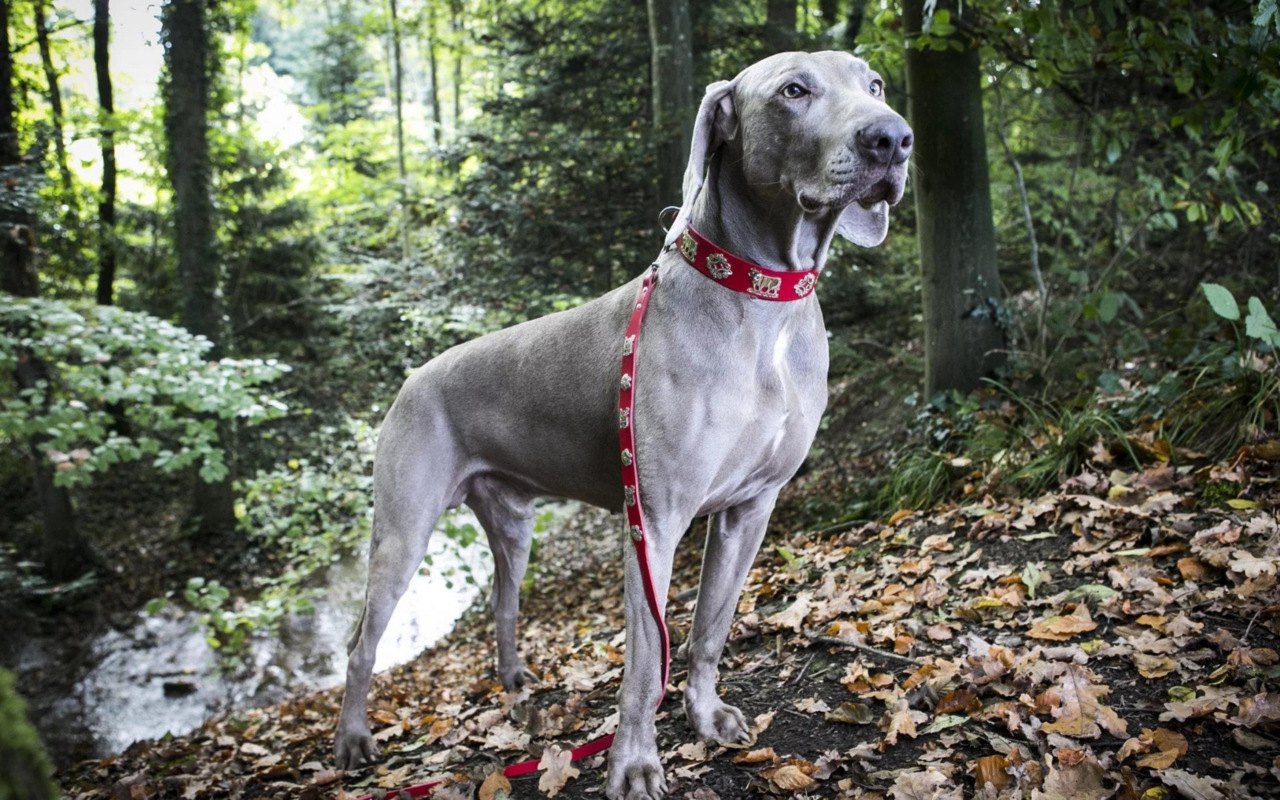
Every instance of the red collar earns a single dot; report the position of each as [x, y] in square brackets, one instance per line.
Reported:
[741, 275]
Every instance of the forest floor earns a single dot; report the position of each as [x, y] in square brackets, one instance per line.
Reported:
[1116, 637]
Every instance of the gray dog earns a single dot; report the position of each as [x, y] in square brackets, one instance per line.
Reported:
[795, 149]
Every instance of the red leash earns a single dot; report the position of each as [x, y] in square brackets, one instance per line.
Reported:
[635, 527]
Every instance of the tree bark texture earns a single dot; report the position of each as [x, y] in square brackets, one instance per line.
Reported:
[106, 135]
[780, 26]
[671, 73]
[65, 551]
[191, 173]
[398, 85]
[857, 13]
[55, 93]
[964, 336]
[437, 123]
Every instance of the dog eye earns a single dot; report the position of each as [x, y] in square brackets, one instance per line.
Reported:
[876, 88]
[794, 91]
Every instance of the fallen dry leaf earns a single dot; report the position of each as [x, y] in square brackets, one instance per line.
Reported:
[1060, 629]
[926, 785]
[789, 778]
[756, 756]
[1079, 709]
[493, 784]
[1075, 776]
[1150, 666]
[557, 770]
[991, 770]
[794, 615]
[1169, 745]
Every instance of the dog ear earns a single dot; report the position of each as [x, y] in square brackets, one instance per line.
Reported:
[865, 227]
[716, 123]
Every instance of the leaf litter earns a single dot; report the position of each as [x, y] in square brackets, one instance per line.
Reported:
[1085, 644]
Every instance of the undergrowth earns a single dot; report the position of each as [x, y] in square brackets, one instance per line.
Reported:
[1006, 440]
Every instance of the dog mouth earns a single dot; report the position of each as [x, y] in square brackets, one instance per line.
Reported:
[883, 191]
[887, 188]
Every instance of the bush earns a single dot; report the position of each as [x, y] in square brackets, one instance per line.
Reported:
[124, 385]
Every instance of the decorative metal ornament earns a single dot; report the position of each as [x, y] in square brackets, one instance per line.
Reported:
[636, 533]
[623, 420]
[628, 345]
[718, 266]
[688, 247]
[631, 494]
[764, 285]
[805, 285]
[627, 458]
[626, 382]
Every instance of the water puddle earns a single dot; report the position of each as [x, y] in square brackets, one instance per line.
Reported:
[160, 676]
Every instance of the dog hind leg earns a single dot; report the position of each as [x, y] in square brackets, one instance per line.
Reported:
[507, 518]
[408, 497]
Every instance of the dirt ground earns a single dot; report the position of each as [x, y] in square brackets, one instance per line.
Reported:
[1117, 637]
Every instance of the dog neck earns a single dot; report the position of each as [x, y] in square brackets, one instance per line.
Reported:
[768, 228]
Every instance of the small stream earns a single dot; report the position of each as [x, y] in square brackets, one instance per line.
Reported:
[160, 675]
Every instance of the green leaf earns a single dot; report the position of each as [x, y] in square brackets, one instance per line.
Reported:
[1259, 324]
[945, 721]
[1033, 576]
[1266, 12]
[1221, 301]
[1108, 306]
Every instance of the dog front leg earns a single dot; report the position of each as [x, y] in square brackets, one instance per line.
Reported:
[732, 544]
[635, 773]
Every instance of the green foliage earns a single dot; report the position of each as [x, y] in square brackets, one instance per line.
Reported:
[110, 363]
[24, 768]
[555, 195]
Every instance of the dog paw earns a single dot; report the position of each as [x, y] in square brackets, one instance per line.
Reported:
[513, 680]
[635, 775]
[718, 722]
[353, 749]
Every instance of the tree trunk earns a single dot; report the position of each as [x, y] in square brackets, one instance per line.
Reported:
[829, 9]
[671, 73]
[398, 87]
[191, 173]
[780, 26]
[55, 95]
[65, 552]
[455, 11]
[437, 122]
[961, 286]
[107, 136]
[857, 13]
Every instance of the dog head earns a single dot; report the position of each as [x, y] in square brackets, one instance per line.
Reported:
[811, 129]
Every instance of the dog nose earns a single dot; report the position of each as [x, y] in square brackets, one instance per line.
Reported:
[885, 141]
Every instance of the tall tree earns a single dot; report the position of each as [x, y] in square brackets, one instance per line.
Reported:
[107, 137]
[961, 285]
[65, 552]
[55, 94]
[397, 81]
[857, 12]
[455, 11]
[187, 54]
[780, 26]
[828, 10]
[437, 123]
[671, 71]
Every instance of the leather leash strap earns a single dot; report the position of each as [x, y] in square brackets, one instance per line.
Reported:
[635, 528]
